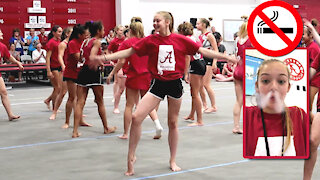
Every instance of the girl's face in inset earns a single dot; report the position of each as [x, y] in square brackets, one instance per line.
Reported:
[272, 86]
[159, 23]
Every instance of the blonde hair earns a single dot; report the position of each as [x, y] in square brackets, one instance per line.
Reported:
[136, 27]
[185, 28]
[117, 28]
[167, 16]
[205, 21]
[288, 121]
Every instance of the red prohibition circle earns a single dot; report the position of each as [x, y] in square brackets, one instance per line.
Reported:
[296, 69]
[291, 46]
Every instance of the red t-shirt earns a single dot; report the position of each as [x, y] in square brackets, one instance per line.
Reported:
[87, 50]
[71, 70]
[136, 65]
[313, 51]
[4, 52]
[52, 46]
[43, 40]
[316, 63]
[166, 54]
[273, 123]
[114, 44]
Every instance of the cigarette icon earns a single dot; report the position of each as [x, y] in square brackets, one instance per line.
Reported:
[263, 30]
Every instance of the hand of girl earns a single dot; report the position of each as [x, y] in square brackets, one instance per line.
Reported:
[49, 75]
[20, 66]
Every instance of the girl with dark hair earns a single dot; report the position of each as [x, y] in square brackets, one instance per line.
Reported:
[54, 64]
[208, 41]
[88, 78]
[70, 74]
[138, 79]
[17, 40]
[61, 57]
[166, 52]
[3, 92]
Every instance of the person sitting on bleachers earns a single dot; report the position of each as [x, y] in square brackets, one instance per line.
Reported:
[32, 39]
[39, 55]
[227, 73]
[17, 40]
[16, 55]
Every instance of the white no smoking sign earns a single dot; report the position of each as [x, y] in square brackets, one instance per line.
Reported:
[275, 28]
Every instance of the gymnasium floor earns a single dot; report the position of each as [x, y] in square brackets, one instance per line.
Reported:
[36, 148]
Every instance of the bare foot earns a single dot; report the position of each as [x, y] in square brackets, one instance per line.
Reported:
[48, 104]
[110, 130]
[59, 111]
[210, 110]
[130, 170]
[195, 124]
[237, 131]
[174, 167]
[85, 124]
[76, 134]
[13, 117]
[53, 116]
[116, 111]
[65, 126]
[83, 115]
[188, 118]
[124, 136]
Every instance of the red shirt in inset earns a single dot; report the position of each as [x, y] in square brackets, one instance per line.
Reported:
[52, 46]
[115, 44]
[166, 54]
[274, 126]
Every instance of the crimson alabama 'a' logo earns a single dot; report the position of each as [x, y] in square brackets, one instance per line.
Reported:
[296, 69]
[168, 57]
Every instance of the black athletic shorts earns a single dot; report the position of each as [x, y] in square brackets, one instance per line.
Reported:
[172, 89]
[208, 61]
[56, 69]
[198, 67]
[88, 77]
[69, 79]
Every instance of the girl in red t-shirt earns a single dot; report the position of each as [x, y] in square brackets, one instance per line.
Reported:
[119, 78]
[88, 78]
[138, 78]
[70, 74]
[61, 57]
[208, 41]
[313, 51]
[315, 126]
[271, 128]
[54, 65]
[166, 52]
[4, 53]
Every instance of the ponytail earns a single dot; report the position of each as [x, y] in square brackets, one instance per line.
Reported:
[54, 29]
